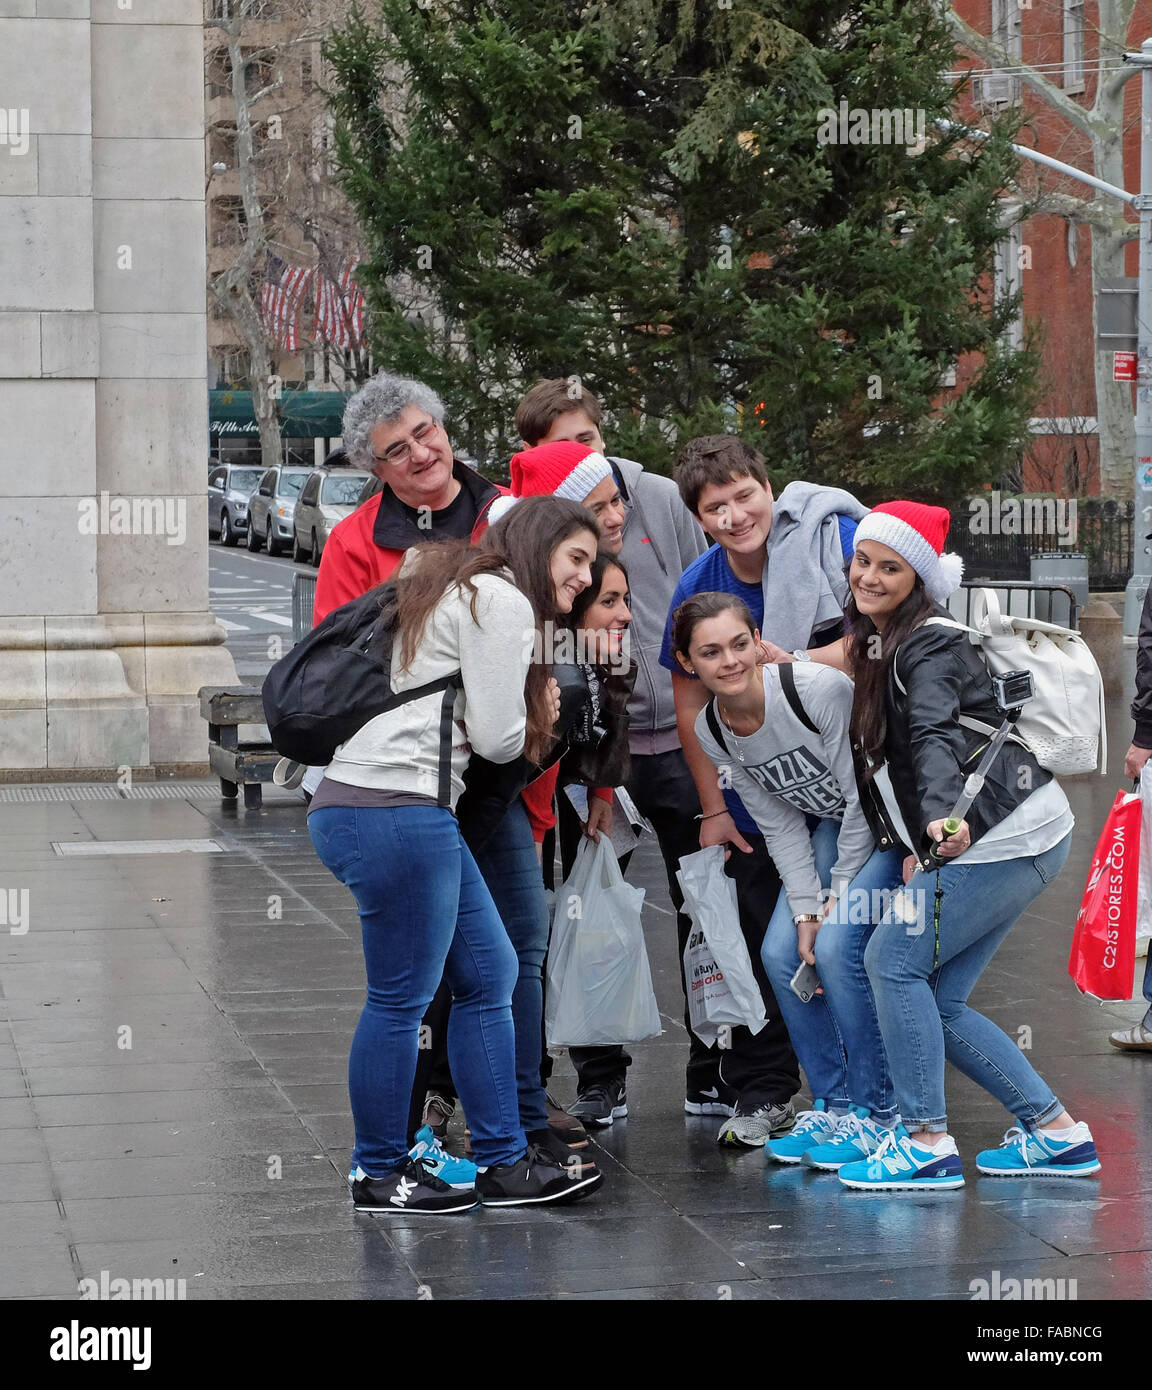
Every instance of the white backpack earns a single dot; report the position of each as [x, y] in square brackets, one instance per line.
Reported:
[1065, 723]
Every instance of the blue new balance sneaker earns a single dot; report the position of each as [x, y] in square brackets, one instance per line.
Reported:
[1024, 1155]
[813, 1127]
[899, 1164]
[857, 1136]
[456, 1172]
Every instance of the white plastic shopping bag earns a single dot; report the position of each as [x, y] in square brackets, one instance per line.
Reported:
[599, 985]
[1144, 882]
[722, 990]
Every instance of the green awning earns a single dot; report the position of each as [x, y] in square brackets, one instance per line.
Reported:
[302, 414]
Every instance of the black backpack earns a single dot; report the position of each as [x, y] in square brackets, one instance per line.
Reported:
[339, 677]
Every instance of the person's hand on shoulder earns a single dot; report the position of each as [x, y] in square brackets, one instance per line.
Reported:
[769, 654]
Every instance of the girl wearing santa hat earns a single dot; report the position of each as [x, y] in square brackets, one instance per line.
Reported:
[916, 673]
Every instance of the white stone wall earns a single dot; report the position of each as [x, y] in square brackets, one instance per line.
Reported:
[105, 636]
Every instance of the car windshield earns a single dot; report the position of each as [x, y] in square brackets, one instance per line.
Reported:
[245, 480]
[291, 483]
[342, 492]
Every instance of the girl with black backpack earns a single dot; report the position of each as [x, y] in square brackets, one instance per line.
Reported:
[378, 823]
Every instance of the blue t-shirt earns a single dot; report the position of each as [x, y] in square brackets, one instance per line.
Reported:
[712, 573]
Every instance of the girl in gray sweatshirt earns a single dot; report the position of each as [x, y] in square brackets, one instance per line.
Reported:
[778, 736]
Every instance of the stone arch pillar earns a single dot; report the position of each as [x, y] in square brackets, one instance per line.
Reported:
[105, 630]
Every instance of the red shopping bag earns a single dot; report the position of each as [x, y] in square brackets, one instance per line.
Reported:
[1103, 959]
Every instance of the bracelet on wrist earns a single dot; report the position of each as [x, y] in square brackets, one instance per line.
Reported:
[710, 814]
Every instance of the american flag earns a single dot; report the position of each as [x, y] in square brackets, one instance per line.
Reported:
[281, 298]
[340, 309]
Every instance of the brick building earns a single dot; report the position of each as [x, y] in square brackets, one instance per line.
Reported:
[1071, 50]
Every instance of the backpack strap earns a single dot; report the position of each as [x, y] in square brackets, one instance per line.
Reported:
[447, 705]
[928, 622]
[714, 724]
[792, 695]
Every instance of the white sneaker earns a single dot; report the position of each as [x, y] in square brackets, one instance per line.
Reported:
[1134, 1039]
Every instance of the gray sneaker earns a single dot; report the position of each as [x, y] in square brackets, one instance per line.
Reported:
[752, 1127]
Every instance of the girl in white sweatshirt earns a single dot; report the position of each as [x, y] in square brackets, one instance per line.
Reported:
[382, 820]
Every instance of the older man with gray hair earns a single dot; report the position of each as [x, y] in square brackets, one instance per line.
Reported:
[394, 427]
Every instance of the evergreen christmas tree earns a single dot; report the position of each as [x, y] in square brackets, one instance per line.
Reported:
[718, 216]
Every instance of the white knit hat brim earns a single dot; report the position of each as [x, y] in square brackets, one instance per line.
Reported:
[941, 573]
[500, 507]
[588, 474]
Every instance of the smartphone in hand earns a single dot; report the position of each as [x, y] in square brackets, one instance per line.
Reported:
[805, 983]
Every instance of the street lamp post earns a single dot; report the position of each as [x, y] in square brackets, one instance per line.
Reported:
[1137, 586]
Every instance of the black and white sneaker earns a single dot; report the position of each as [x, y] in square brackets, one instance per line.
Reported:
[716, 1100]
[552, 1143]
[537, 1178]
[600, 1103]
[412, 1188]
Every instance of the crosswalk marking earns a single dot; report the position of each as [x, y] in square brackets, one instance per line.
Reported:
[270, 617]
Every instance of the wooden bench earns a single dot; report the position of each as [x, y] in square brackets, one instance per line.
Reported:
[237, 764]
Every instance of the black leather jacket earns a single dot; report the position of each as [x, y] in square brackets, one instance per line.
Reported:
[1142, 704]
[930, 753]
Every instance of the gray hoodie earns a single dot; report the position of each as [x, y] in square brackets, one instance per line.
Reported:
[661, 538]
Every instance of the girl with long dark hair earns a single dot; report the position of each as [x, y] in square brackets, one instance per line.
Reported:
[778, 736]
[377, 822]
[918, 679]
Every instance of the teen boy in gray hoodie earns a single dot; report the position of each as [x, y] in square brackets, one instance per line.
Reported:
[656, 537]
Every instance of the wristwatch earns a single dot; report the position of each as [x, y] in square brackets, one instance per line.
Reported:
[800, 655]
[806, 917]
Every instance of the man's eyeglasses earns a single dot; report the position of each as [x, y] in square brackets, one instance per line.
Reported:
[401, 451]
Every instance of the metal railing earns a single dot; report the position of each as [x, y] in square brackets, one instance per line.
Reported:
[1048, 603]
[303, 599]
[1103, 532]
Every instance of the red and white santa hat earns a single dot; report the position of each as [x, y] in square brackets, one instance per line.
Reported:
[563, 469]
[916, 532]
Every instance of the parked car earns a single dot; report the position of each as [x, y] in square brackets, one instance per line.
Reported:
[372, 486]
[229, 486]
[272, 507]
[328, 496]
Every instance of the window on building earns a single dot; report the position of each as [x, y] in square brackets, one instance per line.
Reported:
[1007, 277]
[222, 145]
[218, 74]
[258, 74]
[994, 88]
[228, 223]
[1073, 45]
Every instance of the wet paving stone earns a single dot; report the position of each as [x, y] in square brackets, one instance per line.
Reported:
[214, 1147]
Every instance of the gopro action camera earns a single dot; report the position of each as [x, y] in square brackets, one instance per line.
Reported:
[1013, 689]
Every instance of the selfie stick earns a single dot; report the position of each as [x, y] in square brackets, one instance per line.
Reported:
[974, 783]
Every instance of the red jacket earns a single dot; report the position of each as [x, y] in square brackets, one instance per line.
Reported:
[366, 547]
[538, 800]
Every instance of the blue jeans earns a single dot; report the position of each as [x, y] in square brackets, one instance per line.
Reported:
[511, 870]
[924, 1013]
[836, 1035]
[425, 913]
